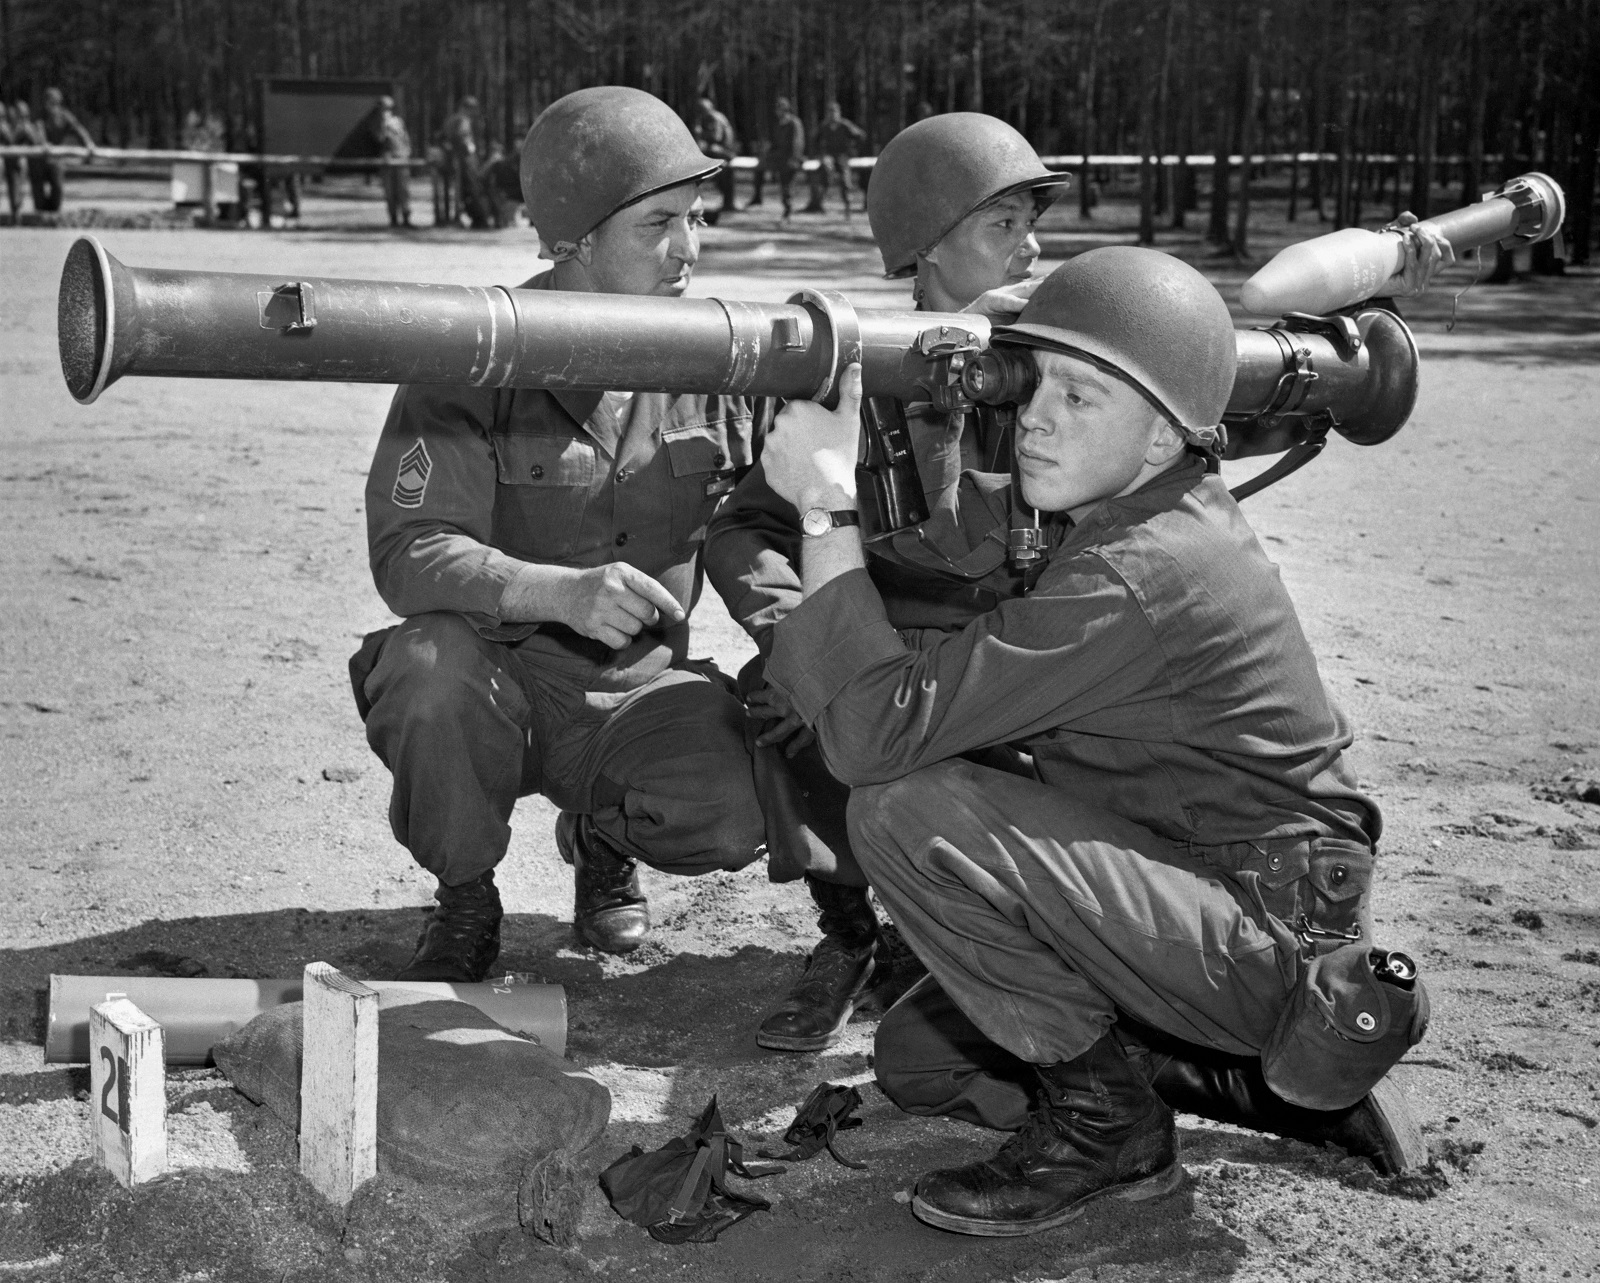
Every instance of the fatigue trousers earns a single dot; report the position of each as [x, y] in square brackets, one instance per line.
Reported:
[1039, 916]
[467, 726]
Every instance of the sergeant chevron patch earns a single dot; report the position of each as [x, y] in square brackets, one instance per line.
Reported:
[411, 481]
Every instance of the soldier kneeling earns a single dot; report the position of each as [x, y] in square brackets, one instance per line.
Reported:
[1191, 847]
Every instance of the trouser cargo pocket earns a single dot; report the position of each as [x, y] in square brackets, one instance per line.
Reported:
[1342, 1030]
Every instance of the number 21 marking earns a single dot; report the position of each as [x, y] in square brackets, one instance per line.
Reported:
[116, 1080]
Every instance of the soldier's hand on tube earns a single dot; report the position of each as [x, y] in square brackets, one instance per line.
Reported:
[612, 603]
[771, 705]
[811, 452]
[1427, 251]
[1002, 306]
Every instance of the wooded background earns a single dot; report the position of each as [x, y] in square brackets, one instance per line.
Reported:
[1422, 104]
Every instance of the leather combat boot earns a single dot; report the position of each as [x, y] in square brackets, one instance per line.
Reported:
[462, 938]
[817, 1009]
[1096, 1131]
[1231, 1089]
[609, 912]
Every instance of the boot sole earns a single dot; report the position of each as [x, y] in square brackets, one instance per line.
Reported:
[1163, 1182]
[1405, 1148]
[817, 1042]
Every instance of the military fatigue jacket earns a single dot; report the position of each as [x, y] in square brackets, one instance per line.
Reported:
[1156, 669]
[468, 483]
[948, 569]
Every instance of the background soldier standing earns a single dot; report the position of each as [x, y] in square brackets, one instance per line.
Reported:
[56, 128]
[787, 154]
[543, 548]
[714, 132]
[394, 143]
[839, 140]
[462, 144]
[14, 132]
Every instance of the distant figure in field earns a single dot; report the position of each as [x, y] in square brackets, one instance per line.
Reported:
[837, 141]
[788, 153]
[57, 127]
[462, 145]
[16, 130]
[439, 177]
[713, 131]
[394, 143]
[500, 183]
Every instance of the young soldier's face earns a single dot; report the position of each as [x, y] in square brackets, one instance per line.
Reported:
[1086, 436]
[990, 247]
[650, 247]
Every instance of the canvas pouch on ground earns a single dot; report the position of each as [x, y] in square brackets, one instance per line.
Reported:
[461, 1099]
[1349, 1020]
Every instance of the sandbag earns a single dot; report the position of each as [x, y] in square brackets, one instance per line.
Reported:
[460, 1098]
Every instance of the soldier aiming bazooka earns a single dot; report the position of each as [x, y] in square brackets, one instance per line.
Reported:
[953, 204]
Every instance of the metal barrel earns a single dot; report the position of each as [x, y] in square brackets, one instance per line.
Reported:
[117, 320]
[196, 1014]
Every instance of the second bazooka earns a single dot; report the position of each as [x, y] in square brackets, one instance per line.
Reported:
[953, 203]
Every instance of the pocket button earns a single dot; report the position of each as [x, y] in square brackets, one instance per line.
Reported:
[1365, 1022]
[719, 459]
[536, 471]
[1274, 862]
[1338, 874]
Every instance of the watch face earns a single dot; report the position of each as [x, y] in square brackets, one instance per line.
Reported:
[816, 521]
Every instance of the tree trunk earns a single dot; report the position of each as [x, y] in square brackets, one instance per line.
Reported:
[1221, 175]
[1477, 102]
[1247, 133]
[1085, 185]
[975, 95]
[1427, 118]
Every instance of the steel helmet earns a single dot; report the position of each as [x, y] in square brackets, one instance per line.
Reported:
[1146, 316]
[934, 173]
[597, 150]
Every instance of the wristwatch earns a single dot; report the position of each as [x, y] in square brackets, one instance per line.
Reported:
[818, 521]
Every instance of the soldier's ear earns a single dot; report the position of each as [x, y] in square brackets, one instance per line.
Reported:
[1166, 445]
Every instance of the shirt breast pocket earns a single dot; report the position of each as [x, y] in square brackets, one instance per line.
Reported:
[702, 459]
[544, 488]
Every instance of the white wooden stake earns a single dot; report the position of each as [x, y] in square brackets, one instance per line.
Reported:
[127, 1091]
[338, 1083]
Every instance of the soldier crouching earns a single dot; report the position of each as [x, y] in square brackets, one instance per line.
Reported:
[1190, 848]
[543, 550]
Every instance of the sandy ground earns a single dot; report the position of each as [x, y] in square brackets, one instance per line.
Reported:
[185, 574]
